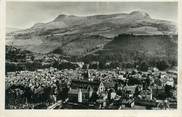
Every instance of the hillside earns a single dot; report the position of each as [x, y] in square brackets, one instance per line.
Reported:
[130, 46]
[101, 36]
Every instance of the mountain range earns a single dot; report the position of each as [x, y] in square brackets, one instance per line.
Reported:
[98, 35]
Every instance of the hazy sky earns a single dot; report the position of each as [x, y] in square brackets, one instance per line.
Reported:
[26, 14]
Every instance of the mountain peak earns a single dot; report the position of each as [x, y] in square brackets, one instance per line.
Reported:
[140, 14]
[63, 16]
[59, 17]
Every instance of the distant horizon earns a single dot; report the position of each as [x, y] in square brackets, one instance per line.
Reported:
[43, 12]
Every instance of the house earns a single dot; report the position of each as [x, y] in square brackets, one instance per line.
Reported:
[170, 82]
[82, 90]
[173, 74]
[158, 92]
[101, 88]
[78, 95]
[80, 64]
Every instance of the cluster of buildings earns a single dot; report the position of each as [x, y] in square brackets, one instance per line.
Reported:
[100, 89]
[120, 93]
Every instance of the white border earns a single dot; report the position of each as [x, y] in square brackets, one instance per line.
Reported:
[87, 113]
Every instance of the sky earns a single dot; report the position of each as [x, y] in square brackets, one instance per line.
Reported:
[26, 14]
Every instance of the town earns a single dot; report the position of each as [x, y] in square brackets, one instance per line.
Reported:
[84, 88]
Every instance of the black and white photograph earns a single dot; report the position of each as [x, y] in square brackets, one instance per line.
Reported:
[91, 55]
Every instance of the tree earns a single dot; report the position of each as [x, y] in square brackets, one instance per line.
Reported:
[168, 91]
[163, 64]
[143, 66]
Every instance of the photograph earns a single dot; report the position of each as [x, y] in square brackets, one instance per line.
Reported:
[91, 55]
